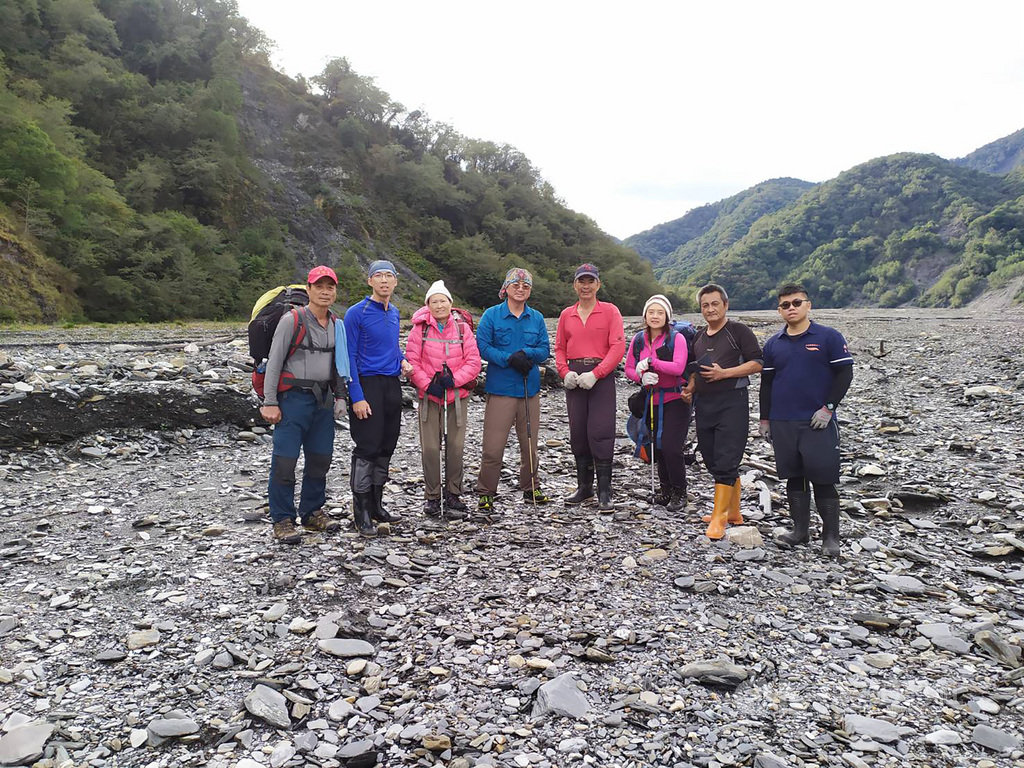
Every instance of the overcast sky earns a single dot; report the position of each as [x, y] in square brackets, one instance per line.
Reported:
[637, 112]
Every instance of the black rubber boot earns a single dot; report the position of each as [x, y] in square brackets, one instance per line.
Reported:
[378, 511]
[584, 480]
[800, 511]
[604, 485]
[362, 503]
[829, 511]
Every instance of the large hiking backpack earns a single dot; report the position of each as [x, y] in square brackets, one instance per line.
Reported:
[266, 314]
[683, 328]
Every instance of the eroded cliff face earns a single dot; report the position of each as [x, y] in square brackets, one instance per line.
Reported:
[34, 288]
[297, 152]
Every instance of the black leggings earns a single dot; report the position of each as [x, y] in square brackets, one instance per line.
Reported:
[377, 436]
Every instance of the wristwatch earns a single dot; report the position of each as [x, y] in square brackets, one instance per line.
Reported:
[831, 407]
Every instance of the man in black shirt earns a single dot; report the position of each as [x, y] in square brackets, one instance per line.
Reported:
[725, 354]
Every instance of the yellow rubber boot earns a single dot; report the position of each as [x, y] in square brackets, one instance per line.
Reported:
[723, 498]
[735, 518]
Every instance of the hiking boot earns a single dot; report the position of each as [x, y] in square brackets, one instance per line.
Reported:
[452, 503]
[536, 496]
[319, 521]
[485, 504]
[432, 508]
[663, 497]
[285, 533]
[677, 500]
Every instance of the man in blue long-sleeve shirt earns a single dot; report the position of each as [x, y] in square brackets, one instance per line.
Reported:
[375, 416]
[513, 339]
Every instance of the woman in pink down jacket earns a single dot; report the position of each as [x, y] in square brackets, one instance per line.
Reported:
[661, 374]
[442, 351]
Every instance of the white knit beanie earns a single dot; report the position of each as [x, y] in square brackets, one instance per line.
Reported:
[437, 287]
[664, 302]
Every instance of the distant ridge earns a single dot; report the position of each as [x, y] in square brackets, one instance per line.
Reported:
[1000, 156]
[905, 229]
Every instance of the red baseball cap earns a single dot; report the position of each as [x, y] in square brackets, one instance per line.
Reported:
[318, 272]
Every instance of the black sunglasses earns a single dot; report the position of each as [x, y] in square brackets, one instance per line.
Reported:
[793, 303]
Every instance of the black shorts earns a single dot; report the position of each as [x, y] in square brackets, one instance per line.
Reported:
[804, 452]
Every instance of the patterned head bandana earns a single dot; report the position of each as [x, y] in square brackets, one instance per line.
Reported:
[515, 275]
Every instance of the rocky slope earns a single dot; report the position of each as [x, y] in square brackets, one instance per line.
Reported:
[147, 620]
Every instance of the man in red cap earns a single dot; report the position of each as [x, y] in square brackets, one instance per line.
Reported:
[300, 393]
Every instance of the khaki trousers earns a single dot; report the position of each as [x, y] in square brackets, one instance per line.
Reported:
[431, 415]
[500, 415]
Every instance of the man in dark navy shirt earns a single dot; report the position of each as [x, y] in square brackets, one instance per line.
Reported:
[375, 417]
[807, 371]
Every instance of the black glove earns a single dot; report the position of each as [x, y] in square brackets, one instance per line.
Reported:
[442, 380]
[520, 362]
[664, 353]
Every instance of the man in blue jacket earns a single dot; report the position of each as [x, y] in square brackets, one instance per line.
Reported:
[375, 416]
[513, 339]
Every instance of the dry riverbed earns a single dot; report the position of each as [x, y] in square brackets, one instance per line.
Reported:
[146, 619]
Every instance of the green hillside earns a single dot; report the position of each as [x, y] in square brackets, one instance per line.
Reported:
[1000, 156]
[156, 163]
[676, 247]
[898, 229]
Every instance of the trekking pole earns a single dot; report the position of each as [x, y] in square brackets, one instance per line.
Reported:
[443, 469]
[529, 442]
[654, 440]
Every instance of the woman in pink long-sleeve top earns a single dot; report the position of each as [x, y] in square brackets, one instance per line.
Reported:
[589, 345]
[656, 359]
[445, 363]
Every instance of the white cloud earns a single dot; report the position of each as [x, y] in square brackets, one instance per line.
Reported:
[614, 101]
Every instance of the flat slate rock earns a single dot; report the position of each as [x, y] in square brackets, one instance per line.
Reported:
[25, 743]
[561, 696]
[994, 739]
[345, 647]
[715, 673]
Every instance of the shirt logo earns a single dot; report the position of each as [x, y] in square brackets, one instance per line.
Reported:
[812, 347]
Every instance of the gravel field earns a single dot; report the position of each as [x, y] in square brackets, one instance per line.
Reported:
[146, 618]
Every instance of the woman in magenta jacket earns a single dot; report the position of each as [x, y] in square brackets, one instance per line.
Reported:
[442, 351]
[661, 375]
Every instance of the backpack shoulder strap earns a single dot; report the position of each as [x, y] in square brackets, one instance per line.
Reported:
[298, 332]
[638, 345]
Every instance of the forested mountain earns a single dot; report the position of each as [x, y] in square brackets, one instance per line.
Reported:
[898, 229]
[999, 156]
[154, 166]
[678, 247]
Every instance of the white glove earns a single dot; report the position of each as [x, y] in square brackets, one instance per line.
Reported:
[642, 366]
[340, 409]
[650, 379]
[586, 380]
[821, 418]
[571, 380]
